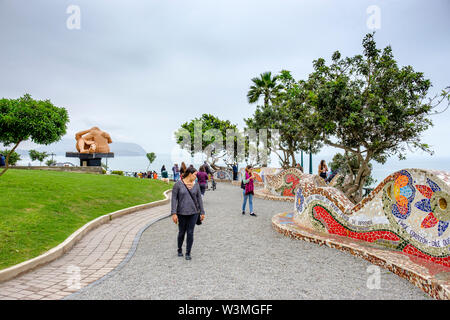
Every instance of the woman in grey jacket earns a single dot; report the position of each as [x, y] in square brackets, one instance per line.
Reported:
[185, 209]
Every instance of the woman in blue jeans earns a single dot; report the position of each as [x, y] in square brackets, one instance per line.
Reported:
[247, 180]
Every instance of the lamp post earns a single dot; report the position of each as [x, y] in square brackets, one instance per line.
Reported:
[301, 159]
[310, 163]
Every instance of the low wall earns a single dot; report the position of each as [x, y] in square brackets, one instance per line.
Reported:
[67, 169]
[407, 212]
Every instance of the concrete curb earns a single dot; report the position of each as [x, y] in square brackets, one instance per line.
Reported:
[62, 248]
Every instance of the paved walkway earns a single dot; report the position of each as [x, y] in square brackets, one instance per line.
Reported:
[242, 257]
[96, 255]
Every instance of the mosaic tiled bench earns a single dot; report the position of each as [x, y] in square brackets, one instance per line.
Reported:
[432, 278]
[407, 214]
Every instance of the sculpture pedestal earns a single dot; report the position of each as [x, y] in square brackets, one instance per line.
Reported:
[90, 159]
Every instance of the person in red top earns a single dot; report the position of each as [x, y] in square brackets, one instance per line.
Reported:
[202, 178]
[248, 186]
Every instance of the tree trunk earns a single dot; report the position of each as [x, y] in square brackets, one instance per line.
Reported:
[353, 190]
[7, 158]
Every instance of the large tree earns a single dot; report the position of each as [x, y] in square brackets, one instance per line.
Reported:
[208, 135]
[28, 119]
[370, 107]
[288, 113]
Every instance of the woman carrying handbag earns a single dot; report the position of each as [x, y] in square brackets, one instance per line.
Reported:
[187, 209]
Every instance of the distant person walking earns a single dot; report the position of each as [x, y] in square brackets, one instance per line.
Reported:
[164, 173]
[2, 160]
[202, 177]
[248, 186]
[182, 169]
[323, 169]
[207, 168]
[235, 171]
[176, 172]
[186, 206]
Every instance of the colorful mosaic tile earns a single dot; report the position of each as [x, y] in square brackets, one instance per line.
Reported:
[432, 278]
[223, 175]
[285, 182]
[407, 212]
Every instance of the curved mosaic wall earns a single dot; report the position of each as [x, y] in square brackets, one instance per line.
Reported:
[409, 212]
[223, 175]
[261, 173]
[286, 182]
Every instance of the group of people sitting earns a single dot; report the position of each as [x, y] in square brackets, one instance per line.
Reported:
[146, 175]
[322, 171]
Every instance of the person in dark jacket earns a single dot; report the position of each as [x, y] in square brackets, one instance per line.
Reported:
[235, 171]
[164, 173]
[202, 178]
[207, 168]
[2, 160]
[185, 209]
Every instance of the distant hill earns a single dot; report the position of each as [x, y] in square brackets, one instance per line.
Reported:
[68, 145]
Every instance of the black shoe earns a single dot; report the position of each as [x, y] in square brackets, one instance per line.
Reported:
[253, 214]
[243, 212]
[188, 256]
[180, 253]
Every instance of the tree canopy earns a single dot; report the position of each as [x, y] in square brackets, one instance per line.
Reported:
[151, 156]
[367, 105]
[289, 114]
[36, 155]
[370, 107]
[208, 135]
[28, 119]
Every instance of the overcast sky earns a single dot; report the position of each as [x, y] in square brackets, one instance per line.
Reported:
[139, 69]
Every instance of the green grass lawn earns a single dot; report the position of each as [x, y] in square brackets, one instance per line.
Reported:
[40, 209]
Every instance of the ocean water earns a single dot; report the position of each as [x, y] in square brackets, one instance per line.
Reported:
[140, 164]
[124, 163]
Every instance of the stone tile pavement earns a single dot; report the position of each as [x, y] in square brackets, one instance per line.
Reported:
[94, 256]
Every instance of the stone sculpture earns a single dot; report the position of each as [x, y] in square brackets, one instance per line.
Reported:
[93, 140]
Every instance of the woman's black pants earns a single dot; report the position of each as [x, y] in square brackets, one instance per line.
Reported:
[186, 224]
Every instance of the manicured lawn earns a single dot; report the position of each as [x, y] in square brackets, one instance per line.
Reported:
[40, 209]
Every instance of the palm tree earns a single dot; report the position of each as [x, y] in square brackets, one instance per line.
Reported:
[265, 86]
